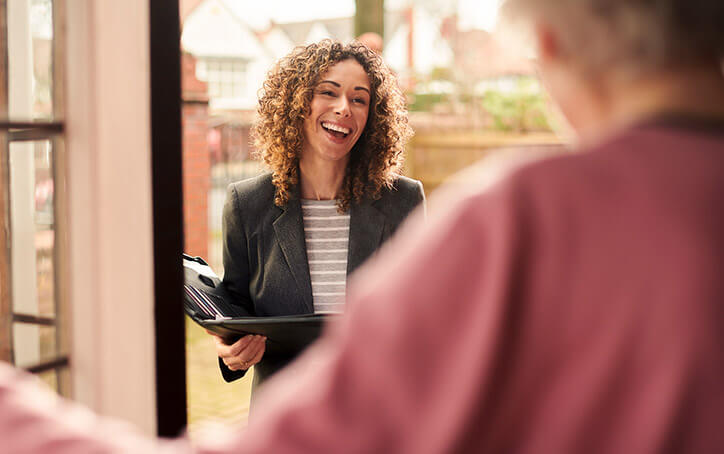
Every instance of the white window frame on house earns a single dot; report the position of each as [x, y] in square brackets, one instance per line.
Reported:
[226, 76]
[33, 328]
[115, 134]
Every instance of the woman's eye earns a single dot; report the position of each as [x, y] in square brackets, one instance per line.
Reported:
[326, 93]
[360, 101]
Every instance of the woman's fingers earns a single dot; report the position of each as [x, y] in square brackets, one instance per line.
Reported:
[254, 351]
[251, 353]
[259, 354]
[233, 350]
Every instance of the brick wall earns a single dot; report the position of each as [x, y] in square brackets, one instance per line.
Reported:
[235, 141]
[196, 159]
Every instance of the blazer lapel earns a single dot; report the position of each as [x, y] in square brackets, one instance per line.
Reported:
[289, 231]
[366, 226]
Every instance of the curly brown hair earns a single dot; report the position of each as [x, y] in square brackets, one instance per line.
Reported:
[284, 102]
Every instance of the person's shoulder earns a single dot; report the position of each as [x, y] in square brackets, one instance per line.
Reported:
[401, 198]
[404, 187]
[405, 184]
[404, 190]
[253, 192]
[559, 181]
[568, 172]
[254, 185]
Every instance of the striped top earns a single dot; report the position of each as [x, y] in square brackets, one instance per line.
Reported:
[326, 233]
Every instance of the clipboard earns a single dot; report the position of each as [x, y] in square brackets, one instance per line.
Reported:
[286, 335]
[207, 302]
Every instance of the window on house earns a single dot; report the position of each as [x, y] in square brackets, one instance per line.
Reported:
[32, 311]
[226, 77]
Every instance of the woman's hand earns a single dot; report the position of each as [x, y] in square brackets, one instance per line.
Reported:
[243, 353]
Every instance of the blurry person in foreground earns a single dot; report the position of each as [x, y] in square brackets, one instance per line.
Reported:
[574, 307]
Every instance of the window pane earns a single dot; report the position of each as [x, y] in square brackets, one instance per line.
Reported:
[34, 343]
[32, 228]
[214, 90]
[57, 379]
[30, 59]
[50, 378]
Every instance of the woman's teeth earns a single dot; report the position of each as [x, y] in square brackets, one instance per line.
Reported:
[336, 128]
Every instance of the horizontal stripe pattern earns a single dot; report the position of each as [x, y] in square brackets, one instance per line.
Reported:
[326, 233]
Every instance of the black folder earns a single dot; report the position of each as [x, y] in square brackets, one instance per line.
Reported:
[207, 302]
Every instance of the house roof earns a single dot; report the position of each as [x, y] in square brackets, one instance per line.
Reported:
[186, 7]
[341, 28]
[212, 29]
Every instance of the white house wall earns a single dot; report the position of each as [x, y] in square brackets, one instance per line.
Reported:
[317, 33]
[253, 12]
[213, 30]
[277, 43]
[395, 51]
[429, 48]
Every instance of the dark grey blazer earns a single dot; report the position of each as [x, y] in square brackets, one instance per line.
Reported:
[265, 257]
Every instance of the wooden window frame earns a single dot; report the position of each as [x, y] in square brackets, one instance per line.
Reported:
[20, 130]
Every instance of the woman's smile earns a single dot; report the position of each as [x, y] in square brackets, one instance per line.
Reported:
[336, 132]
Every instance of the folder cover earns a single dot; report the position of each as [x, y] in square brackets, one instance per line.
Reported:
[207, 302]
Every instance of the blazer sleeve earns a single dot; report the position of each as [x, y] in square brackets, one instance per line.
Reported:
[236, 263]
[235, 251]
[409, 195]
[420, 198]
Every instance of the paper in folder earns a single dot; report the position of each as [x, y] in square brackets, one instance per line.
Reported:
[207, 302]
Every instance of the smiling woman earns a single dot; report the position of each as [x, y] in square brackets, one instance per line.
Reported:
[295, 88]
[337, 116]
[332, 125]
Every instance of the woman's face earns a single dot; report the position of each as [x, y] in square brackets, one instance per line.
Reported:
[338, 112]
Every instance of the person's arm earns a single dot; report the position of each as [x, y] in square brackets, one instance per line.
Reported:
[421, 202]
[412, 196]
[35, 421]
[237, 358]
[406, 365]
[235, 253]
[406, 370]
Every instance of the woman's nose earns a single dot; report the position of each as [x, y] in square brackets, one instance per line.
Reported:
[342, 107]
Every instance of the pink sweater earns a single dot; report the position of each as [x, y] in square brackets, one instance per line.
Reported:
[578, 306]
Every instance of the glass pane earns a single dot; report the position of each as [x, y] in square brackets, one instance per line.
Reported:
[34, 343]
[214, 89]
[50, 378]
[32, 228]
[30, 59]
[63, 377]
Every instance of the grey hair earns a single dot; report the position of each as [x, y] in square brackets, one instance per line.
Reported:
[636, 34]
